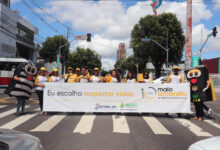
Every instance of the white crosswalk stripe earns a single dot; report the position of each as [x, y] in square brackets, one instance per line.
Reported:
[212, 123]
[2, 106]
[193, 128]
[85, 124]
[156, 126]
[9, 112]
[18, 121]
[120, 124]
[47, 125]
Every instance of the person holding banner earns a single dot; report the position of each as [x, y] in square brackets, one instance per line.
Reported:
[113, 78]
[175, 78]
[83, 78]
[39, 84]
[96, 78]
[146, 78]
[55, 76]
[130, 78]
[69, 73]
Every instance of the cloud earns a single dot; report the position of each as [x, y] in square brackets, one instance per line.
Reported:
[111, 22]
[107, 64]
[217, 5]
[199, 31]
[14, 1]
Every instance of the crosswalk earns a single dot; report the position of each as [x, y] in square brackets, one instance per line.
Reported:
[120, 125]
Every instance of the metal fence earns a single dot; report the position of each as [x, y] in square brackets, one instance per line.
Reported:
[215, 79]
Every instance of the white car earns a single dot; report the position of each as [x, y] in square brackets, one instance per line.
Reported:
[16, 140]
[161, 79]
[212, 143]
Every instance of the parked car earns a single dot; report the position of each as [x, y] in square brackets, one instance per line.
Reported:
[16, 140]
[212, 143]
[161, 79]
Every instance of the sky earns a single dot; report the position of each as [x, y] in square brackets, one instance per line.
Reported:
[110, 22]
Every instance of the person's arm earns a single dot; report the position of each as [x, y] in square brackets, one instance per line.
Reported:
[207, 86]
[17, 78]
[181, 79]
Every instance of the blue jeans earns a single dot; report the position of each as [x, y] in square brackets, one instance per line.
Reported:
[21, 103]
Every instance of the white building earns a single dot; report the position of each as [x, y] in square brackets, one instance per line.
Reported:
[16, 34]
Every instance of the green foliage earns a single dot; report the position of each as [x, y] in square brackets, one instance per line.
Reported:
[84, 58]
[156, 28]
[50, 49]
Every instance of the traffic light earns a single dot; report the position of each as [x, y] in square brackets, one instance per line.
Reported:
[88, 37]
[214, 31]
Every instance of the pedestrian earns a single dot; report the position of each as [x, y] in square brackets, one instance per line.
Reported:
[40, 84]
[69, 73]
[22, 84]
[130, 78]
[175, 78]
[77, 73]
[55, 76]
[83, 78]
[146, 78]
[96, 78]
[200, 89]
[113, 78]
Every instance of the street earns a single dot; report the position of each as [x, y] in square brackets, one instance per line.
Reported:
[109, 131]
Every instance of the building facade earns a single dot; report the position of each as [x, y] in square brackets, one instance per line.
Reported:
[16, 34]
[213, 65]
[121, 53]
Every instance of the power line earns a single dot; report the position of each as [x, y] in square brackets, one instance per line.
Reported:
[42, 19]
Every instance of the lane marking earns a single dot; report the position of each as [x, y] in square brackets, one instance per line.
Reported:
[49, 124]
[120, 124]
[2, 106]
[9, 112]
[18, 121]
[156, 126]
[85, 124]
[211, 122]
[192, 127]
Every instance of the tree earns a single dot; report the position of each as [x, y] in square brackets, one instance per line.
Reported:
[156, 28]
[84, 58]
[118, 66]
[130, 64]
[50, 49]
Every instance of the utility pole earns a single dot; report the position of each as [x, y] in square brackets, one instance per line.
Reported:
[64, 61]
[188, 53]
[167, 52]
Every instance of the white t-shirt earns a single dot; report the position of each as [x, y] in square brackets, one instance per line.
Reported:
[95, 79]
[146, 81]
[175, 79]
[83, 79]
[55, 78]
[41, 80]
[130, 81]
[114, 80]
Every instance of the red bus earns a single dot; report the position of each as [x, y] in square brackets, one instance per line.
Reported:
[7, 68]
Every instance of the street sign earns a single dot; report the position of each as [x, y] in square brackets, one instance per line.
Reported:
[145, 39]
[81, 37]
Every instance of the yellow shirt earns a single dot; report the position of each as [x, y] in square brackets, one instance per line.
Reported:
[67, 75]
[72, 78]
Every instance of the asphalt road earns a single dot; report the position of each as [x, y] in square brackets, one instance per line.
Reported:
[111, 131]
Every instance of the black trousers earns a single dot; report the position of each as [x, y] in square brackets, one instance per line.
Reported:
[199, 109]
[40, 97]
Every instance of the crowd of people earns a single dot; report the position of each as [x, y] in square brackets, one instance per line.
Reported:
[81, 75]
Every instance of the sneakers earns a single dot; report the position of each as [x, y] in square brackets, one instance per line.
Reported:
[209, 111]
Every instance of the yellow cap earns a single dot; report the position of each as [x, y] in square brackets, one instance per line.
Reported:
[69, 68]
[96, 68]
[42, 69]
[77, 69]
[55, 70]
[176, 67]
